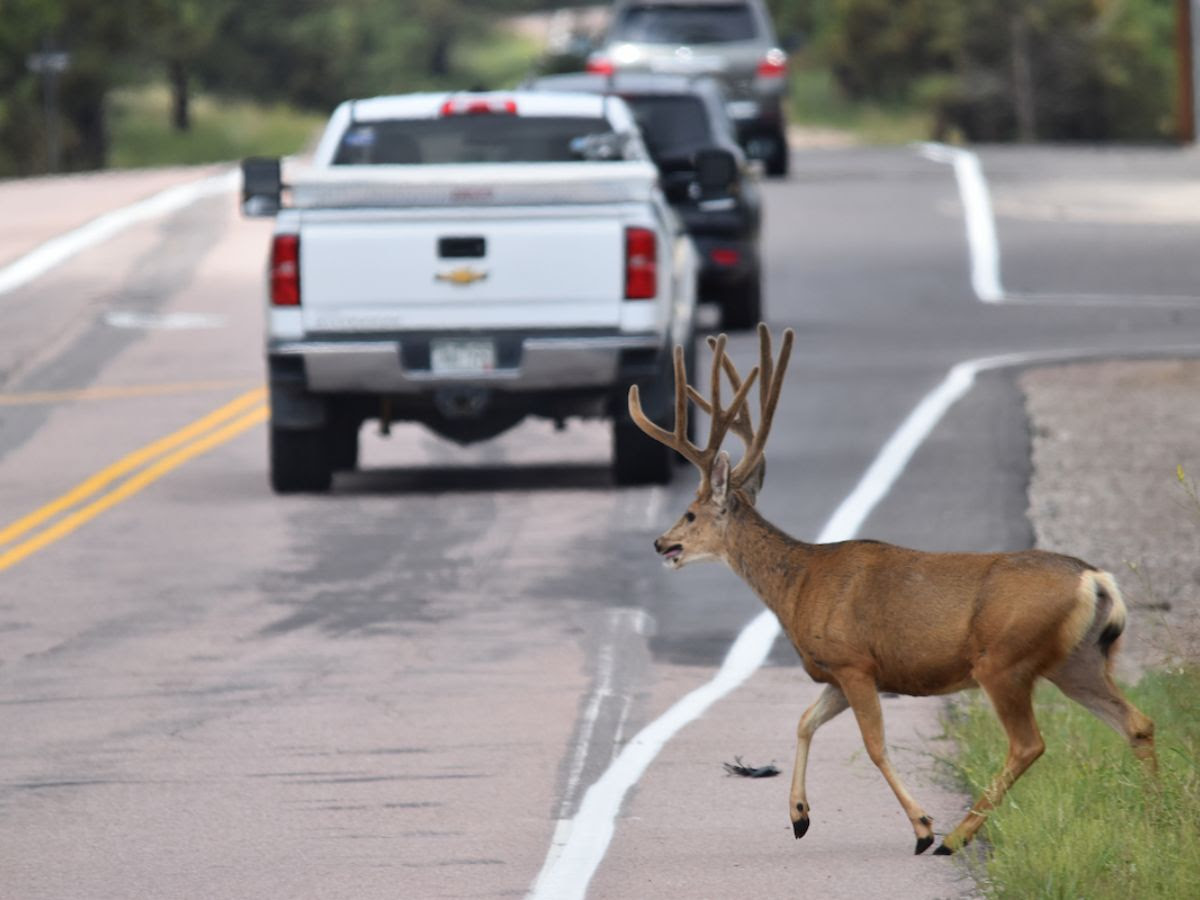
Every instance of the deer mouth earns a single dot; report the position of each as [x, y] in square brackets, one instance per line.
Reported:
[671, 555]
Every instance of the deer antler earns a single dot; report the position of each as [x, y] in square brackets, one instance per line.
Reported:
[722, 418]
[771, 383]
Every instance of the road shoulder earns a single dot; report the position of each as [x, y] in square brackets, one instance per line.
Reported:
[1108, 438]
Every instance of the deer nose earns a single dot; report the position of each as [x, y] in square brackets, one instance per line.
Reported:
[658, 545]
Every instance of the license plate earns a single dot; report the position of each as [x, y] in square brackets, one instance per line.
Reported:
[688, 65]
[742, 109]
[458, 357]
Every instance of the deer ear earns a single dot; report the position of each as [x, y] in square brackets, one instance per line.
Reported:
[755, 482]
[720, 478]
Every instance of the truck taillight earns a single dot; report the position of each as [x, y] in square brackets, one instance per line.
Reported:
[641, 264]
[600, 65]
[285, 270]
[477, 106]
[773, 65]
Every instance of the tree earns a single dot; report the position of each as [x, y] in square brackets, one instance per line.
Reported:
[1025, 69]
[101, 39]
[180, 34]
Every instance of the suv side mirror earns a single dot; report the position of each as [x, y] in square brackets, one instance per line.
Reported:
[716, 169]
[262, 186]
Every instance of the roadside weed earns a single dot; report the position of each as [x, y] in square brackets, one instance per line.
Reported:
[1085, 821]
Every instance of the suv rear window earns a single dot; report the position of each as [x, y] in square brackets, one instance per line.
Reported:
[672, 126]
[716, 23]
[466, 139]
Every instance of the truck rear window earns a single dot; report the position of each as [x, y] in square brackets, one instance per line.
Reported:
[467, 139]
[700, 23]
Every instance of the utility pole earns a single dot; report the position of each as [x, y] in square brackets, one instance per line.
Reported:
[1194, 37]
[1187, 21]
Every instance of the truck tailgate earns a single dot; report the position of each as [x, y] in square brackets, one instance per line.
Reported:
[381, 273]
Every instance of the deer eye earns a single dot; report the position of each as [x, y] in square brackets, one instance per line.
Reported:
[689, 516]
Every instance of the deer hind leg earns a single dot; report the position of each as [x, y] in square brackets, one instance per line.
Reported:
[831, 702]
[1012, 698]
[863, 695]
[1086, 678]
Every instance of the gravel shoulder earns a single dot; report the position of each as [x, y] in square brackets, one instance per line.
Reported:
[1108, 439]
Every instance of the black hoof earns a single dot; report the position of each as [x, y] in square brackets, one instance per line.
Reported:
[923, 844]
[942, 851]
[800, 828]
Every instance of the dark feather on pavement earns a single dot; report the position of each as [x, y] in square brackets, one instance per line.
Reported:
[737, 767]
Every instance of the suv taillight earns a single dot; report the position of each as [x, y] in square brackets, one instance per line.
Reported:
[641, 264]
[285, 270]
[773, 65]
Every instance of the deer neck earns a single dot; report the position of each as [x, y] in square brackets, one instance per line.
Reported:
[766, 558]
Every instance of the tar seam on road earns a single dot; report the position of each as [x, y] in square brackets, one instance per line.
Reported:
[579, 844]
[158, 458]
[61, 248]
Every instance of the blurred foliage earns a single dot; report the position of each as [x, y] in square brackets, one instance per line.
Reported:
[816, 100]
[1044, 69]
[1019, 69]
[142, 133]
[308, 53]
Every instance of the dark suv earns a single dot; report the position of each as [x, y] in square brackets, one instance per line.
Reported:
[683, 121]
[732, 41]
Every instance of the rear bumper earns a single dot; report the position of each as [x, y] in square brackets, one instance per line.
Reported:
[398, 366]
[756, 113]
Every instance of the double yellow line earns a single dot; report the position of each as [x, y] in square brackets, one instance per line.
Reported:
[144, 466]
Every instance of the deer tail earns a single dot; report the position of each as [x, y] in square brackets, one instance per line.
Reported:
[1100, 611]
[1114, 620]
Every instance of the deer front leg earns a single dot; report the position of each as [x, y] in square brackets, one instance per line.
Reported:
[831, 702]
[860, 690]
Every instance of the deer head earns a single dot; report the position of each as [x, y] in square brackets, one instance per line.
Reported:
[700, 532]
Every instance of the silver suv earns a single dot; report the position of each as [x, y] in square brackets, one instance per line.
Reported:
[731, 41]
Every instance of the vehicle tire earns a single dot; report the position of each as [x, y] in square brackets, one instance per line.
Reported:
[741, 308]
[343, 444]
[779, 159]
[689, 362]
[638, 459]
[300, 461]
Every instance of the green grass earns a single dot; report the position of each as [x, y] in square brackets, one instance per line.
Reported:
[498, 59]
[226, 129]
[814, 99]
[1085, 822]
[221, 130]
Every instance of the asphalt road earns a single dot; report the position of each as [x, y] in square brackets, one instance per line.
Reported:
[403, 689]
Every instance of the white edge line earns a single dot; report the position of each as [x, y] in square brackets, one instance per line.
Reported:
[982, 246]
[579, 844]
[59, 249]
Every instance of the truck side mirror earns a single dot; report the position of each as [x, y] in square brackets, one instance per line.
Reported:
[262, 186]
[716, 169]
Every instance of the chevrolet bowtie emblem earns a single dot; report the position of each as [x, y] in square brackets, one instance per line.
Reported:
[463, 276]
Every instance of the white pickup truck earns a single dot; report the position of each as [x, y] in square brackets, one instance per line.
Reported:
[465, 261]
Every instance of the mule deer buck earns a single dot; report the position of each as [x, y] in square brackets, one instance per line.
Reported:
[867, 616]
